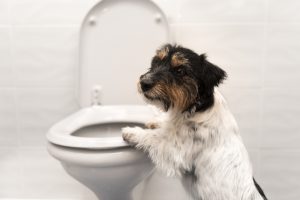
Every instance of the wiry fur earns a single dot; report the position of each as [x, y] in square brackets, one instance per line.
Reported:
[201, 145]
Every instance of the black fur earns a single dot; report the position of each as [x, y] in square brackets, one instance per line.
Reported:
[209, 76]
[205, 74]
[261, 192]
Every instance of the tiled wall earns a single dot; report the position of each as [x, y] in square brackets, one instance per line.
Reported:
[256, 41]
[38, 57]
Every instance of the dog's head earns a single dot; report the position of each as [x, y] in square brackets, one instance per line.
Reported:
[180, 79]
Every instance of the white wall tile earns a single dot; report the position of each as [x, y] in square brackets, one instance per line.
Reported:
[281, 111]
[39, 109]
[170, 8]
[47, 178]
[283, 47]
[280, 174]
[284, 11]
[49, 12]
[232, 47]
[45, 56]
[245, 104]
[6, 71]
[4, 12]
[175, 33]
[9, 136]
[10, 173]
[222, 11]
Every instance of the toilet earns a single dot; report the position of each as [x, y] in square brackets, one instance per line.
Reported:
[117, 41]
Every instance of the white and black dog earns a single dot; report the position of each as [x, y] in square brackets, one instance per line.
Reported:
[199, 140]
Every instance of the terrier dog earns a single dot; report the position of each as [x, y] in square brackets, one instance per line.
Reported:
[199, 140]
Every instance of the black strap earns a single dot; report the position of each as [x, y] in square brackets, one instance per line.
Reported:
[261, 192]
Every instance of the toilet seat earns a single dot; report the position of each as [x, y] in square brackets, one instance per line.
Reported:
[61, 133]
[113, 41]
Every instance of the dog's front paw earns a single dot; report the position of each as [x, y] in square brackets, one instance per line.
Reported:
[131, 135]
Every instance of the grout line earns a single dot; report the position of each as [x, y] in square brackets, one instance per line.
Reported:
[261, 109]
[46, 26]
[13, 74]
[37, 199]
[75, 88]
[195, 24]
[217, 23]
[281, 149]
[15, 96]
[36, 87]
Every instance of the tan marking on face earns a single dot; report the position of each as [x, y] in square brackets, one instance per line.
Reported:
[162, 53]
[178, 59]
[178, 97]
[158, 90]
[181, 97]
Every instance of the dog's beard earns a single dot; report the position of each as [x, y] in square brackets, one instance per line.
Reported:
[154, 98]
[162, 104]
[165, 96]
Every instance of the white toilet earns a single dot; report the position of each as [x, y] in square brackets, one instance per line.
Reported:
[117, 40]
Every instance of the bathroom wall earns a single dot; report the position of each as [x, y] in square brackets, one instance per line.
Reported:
[256, 41]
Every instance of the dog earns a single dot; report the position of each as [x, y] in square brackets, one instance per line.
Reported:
[198, 141]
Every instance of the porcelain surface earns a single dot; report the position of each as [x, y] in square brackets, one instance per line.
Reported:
[62, 133]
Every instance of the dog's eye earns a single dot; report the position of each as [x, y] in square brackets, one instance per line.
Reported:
[180, 71]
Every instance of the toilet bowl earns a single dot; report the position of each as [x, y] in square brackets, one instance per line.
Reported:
[90, 148]
[117, 40]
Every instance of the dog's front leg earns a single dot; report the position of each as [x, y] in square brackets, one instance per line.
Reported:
[143, 138]
[133, 135]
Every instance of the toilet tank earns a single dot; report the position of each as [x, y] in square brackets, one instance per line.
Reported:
[118, 39]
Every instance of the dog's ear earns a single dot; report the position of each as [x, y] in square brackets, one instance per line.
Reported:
[211, 74]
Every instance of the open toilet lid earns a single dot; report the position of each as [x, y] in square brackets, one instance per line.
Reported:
[117, 41]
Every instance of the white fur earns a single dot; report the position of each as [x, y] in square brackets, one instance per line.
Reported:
[203, 149]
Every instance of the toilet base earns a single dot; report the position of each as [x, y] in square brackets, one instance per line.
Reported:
[108, 189]
[103, 190]
[111, 174]
[102, 196]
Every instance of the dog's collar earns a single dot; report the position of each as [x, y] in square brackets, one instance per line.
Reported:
[194, 107]
[201, 105]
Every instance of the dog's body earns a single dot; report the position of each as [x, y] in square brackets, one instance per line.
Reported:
[201, 145]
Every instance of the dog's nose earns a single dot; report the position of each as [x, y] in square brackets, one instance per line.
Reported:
[146, 84]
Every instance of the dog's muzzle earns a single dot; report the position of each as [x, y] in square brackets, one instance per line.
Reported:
[146, 83]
